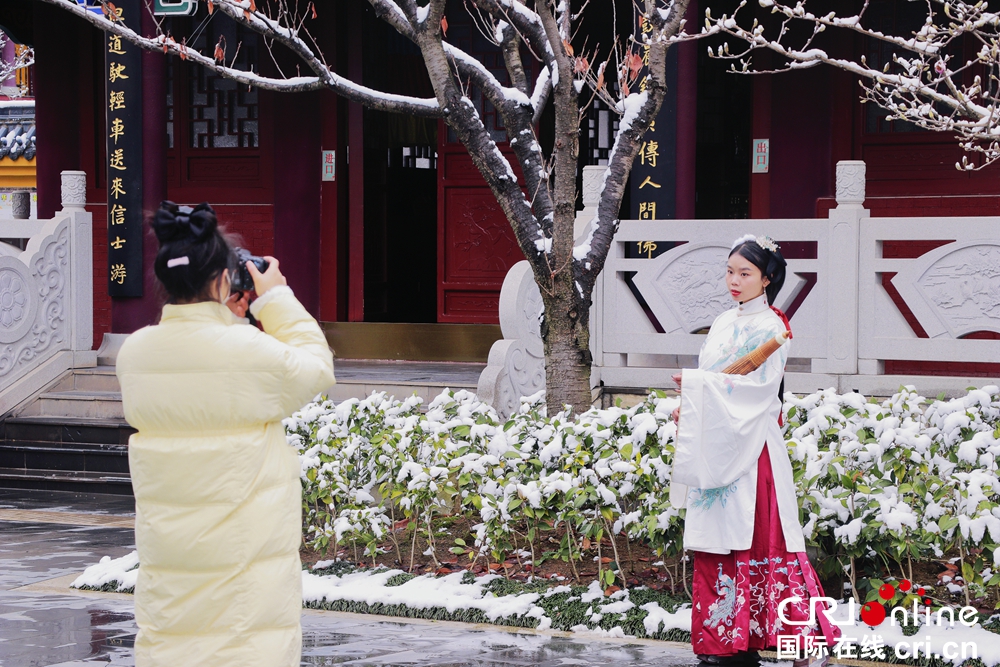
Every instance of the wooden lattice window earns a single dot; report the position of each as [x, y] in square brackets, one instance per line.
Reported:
[223, 113]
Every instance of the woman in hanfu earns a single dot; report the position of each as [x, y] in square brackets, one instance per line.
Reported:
[732, 472]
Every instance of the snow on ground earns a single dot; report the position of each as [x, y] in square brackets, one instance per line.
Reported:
[122, 570]
[425, 592]
[449, 592]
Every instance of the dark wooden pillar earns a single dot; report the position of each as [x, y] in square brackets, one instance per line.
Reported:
[687, 115]
[356, 173]
[57, 103]
[333, 217]
[297, 198]
[760, 184]
[129, 314]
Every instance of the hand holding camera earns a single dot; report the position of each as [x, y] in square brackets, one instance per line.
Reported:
[251, 273]
[271, 276]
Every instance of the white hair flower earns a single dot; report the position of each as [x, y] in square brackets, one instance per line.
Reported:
[765, 242]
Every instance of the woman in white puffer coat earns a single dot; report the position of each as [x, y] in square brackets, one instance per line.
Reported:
[217, 491]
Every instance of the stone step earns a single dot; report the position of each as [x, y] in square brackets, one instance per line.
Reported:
[66, 430]
[65, 480]
[102, 378]
[105, 405]
[59, 456]
[65, 453]
[359, 378]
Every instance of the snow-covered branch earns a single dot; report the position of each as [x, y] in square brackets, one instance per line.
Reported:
[23, 57]
[927, 82]
[324, 78]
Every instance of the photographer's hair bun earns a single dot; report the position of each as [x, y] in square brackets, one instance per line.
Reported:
[176, 223]
[193, 251]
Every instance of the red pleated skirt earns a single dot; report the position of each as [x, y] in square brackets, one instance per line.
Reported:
[736, 596]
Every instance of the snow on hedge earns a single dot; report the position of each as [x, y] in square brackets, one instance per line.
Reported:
[905, 478]
[638, 612]
[880, 484]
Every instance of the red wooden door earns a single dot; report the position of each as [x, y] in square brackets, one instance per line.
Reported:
[476, 245]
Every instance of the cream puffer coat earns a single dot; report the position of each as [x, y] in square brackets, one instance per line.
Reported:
[217, 492]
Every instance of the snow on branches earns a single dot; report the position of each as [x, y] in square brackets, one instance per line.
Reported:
[933, 80]
[548, 63]
[23, 57]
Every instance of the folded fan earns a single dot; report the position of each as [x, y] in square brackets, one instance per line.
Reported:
[755, 358]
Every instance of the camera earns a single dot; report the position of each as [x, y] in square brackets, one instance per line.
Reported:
[242, 281]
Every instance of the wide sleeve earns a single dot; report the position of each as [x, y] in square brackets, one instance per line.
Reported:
[724, 421]
[298, 346]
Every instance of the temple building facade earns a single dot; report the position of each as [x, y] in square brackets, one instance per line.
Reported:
[382, 219]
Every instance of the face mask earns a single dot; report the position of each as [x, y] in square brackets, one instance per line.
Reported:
[224, 291]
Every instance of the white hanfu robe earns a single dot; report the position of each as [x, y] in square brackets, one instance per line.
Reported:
[725, 421]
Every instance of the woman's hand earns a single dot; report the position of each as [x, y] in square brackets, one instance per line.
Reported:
[270, 278]
[676, 377]
[676, 414]
[239, 302]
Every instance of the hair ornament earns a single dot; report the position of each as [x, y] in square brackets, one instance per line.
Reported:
[767, 243]
[178, 261]
[743, 239]
[176, 223]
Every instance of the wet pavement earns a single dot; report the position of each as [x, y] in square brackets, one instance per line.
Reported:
[43, 624]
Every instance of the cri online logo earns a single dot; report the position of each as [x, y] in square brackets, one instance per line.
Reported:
[873, 613]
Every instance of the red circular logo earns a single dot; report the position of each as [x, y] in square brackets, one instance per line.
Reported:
[872, 613]
[886, 591]
[904, 585]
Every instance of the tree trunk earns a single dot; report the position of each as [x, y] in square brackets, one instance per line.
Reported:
[566, 337]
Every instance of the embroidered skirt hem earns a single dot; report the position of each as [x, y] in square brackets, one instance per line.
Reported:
[736, 595]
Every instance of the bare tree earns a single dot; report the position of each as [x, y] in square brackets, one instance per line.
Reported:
[23, 57]
[929, 82]
[543, 219]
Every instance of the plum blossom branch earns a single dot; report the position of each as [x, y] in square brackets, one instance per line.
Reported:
[926, 82]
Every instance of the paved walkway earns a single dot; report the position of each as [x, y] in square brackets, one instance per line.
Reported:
[48, 538]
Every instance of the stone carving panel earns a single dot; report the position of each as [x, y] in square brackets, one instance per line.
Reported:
[516, 365]
[40, 326]
[685, 287]
[18, 300]
[958, 287]
[593, 182]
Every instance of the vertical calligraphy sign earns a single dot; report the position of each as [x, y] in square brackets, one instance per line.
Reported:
[654, 171]
[123, 105]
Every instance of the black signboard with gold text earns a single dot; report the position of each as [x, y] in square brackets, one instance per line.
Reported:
[654, 171]
[123, 71]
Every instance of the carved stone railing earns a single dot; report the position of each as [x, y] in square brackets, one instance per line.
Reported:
[46, 296]
[650, 313]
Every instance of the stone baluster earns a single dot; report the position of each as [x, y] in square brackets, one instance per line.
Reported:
[74, 190]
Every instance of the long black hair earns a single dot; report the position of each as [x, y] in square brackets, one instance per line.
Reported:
[193, 251]
[770, 262]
